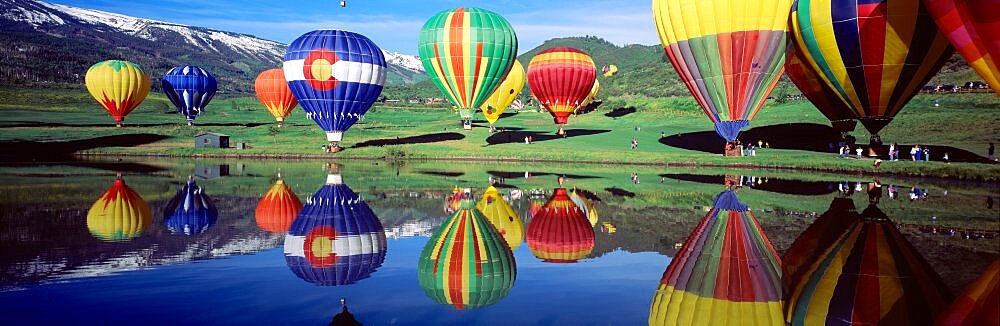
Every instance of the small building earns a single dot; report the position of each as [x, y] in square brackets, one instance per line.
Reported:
[209, 172]
[211, 140]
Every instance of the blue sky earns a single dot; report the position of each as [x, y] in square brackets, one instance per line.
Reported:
[394, 24]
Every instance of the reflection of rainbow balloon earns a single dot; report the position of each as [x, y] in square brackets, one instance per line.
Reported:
[466, 263]
[726, 272]
[190, 211]
[120, 214]
[559, 232]
[336, 239]
[978, 304]
[585, 205]
[277, 208]
[808, 247]
[870, 275]
[502, 216]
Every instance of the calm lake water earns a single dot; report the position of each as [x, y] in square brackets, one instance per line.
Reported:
[273, 242]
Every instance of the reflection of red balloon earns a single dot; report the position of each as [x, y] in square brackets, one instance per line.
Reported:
[978, 304]
[561, 78]
[973, 27]
[560, 232]
[278, 208]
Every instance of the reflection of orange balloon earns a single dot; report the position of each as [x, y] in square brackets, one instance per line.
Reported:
[272, 90]
[559, 232]
[120, 214]
[277, 208]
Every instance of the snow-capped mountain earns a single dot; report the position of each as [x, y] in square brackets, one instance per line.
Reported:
[35, 32]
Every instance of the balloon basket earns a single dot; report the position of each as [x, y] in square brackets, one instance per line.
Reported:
[118, 124]
[875, 148]
[733, 152]
[560, 132]
[281, 124]
[333, 148]
[467, 125]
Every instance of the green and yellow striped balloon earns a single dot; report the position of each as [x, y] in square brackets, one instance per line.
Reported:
[467, 52]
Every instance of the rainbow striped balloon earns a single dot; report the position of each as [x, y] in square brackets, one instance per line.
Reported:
[973, 27]
[467, 52]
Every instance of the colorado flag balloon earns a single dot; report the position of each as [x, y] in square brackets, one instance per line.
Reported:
[190, 89]
[119, 86]
[336, 76]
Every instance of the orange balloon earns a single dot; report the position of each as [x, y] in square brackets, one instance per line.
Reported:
[272, 90]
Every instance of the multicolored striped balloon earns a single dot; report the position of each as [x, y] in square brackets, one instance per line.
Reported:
[726, 273]
[272, 91]
[807, 78]
[189, 88]
[561, 78]
[559, 232]
[466, 262]
[506, 93]
[119, 86]
[870, 275]
[336, 239]
[973, 27]
[467, 52]
[729, 53]
[120, 214]
[190, 211]
[809, 247]
[278, 208]
[876, 54]
[502, 216]
[978, 304]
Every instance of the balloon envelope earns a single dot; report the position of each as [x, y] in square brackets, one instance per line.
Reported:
[561, 78]
[807, 78]
[190, 212]
[506, 93]
[609, 70]
[190, 89]
[272, 91]
[559, 232]
[592, 95]
[978, 304]
[585, 205]
[973, 27]
[120, 214]
[119, 86]
[278, 208]
[729, 53]
[502, 216]
[336, 77]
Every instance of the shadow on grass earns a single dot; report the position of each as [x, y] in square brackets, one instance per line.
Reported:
[421, 139]
[442, 173]
[29, 124]
[781, 186]
[620, 112]
[619, 192]
[517, 136]
[20, 150]
[520, 174]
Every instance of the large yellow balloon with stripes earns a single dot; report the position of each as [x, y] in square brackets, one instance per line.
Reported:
[119, 86]
[506, 93]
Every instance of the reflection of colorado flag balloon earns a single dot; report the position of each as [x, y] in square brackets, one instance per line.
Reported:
[336, 76]
[336, 239]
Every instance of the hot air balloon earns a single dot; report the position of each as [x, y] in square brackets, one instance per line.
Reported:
[502, 216]
[272, 91]
[336, 239]
[585, 205]
[119, 86]
[190, 212]
[973, 27]
[336, 76]
[592, 95]
[875, 54]
[978, 304]
[728, 53]
[190, 89]
[451, 201]
[726, 273]
[559, 232]
[120, 214]
[561, 78]
[609, 70]
[809, 246]
[466, 263]
[278, 208]
[467, 52]
[817, 91]
[504, 96]
[870, 275]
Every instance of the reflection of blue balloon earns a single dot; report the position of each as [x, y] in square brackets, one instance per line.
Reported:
[336, 76]
[190, 89]
[336, 239]
[190, 211]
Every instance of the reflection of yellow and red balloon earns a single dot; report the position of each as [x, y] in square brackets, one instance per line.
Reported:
[585, 205]
[560, 232]
[278, 208]
[120, 214]
[978, 305]
[561, 78]
[502, 216]
[272, 91]
[973, 27]
[119, 86]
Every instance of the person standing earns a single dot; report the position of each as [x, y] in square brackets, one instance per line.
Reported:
[847, 151]
[913, 153]
[892, 151]
[946, 158]
[840, 152]
[927, 153]
[858, 150]
[991, 153]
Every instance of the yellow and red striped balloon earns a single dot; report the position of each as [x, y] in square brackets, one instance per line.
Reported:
[272, 90]
[118, 85]
[561, 78]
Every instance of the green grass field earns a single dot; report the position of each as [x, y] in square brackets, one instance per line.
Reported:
[964, 121]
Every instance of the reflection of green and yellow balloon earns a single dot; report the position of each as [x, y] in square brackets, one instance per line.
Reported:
[119, 86]
[502, 216]
[120, 214]
[506, 93]
[466, 263]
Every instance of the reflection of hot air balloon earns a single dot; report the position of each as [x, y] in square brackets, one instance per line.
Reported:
[823, 233]
[119, 86]
[190, 211]
[120, 214]
[978, 304]
[585, 205]
[190, 89]
[466, 53]
[502, 216]
[336, 239]
[592, 95]
[826, 100]
[561, 78]
[870, 275]
[973, 27]
[336, 76]
[726, 272]
[278, 208]
[875, 54]
[505, 94]
[559, 232]
[729, 54]
[451, 201]
[466, 263]
[609, 70]
[272, 90]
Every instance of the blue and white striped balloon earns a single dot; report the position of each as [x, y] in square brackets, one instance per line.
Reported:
[336, 76]
[190, 211]
[190, 89]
